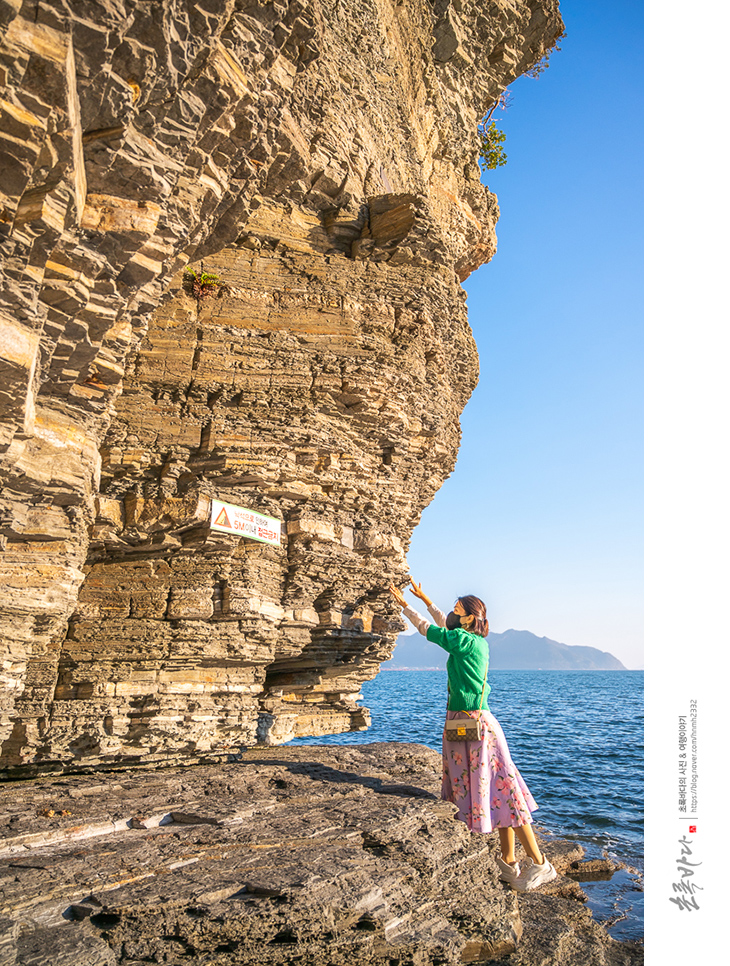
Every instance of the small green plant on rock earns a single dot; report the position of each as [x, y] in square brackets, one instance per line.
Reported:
[202, 284]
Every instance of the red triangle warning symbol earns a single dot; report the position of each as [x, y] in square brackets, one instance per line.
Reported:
[222, 519]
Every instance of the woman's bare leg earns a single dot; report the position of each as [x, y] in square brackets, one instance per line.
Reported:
[507, 844]
[527, 839]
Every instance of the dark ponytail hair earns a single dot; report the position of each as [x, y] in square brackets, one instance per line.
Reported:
[478, 610]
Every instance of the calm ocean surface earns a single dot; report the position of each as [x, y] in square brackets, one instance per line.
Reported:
[577, 737]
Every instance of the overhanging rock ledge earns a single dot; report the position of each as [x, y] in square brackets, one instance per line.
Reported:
[320, 158]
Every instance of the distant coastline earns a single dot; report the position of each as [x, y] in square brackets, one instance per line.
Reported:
[387, 666]
[511, 650]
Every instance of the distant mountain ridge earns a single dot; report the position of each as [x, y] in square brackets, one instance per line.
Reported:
[511, 650]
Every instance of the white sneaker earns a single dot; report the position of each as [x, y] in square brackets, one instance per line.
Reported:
[534, 875]
[507, 873]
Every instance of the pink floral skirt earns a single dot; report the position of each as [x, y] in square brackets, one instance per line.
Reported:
[481, 779]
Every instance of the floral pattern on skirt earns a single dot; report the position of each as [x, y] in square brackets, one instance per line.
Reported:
[481, 779]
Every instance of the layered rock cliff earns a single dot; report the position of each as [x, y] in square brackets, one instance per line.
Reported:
[320, 158]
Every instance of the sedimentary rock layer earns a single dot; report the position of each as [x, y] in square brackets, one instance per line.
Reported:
[312, 855]
[320, 158]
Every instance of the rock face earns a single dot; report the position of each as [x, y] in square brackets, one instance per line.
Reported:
[319, 157]
[312, 855]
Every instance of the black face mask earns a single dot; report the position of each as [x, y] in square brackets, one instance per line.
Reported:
[453, 621]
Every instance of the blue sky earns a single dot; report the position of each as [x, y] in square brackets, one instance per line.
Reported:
[548, 487]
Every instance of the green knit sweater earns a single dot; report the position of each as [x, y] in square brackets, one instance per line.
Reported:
[466, 666]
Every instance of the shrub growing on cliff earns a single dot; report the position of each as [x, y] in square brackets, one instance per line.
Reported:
[491, 152]
[491, 138]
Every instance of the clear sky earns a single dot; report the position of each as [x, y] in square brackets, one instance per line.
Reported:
[543, 515]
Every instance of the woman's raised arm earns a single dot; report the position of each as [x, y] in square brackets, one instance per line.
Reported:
[420, 623]
[417, 591]
[437, 614]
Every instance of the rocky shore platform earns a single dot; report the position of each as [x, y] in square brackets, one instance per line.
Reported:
[328, 855]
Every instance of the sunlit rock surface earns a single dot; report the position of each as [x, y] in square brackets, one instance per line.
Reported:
[313, 855]
[320, 157]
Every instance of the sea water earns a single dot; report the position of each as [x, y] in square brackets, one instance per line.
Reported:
[577, 738]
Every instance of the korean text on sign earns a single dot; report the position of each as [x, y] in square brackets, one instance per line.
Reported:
[227, 518]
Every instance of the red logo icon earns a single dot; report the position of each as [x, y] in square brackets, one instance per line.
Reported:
[693, 829]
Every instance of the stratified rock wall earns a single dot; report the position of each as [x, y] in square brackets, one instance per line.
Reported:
[320, 157]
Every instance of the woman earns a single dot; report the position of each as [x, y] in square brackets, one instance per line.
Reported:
[479, 776]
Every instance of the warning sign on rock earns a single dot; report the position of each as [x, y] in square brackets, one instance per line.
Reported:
[226, 518]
